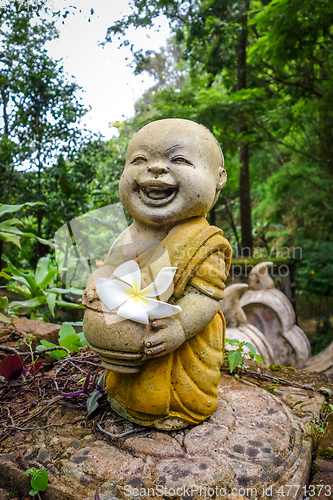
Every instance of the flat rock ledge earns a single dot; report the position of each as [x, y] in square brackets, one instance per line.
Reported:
[254, 444]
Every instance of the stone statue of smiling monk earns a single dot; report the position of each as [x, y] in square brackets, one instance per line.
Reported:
[165, 373]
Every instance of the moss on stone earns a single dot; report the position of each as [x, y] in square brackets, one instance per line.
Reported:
[275, 368]
[326, 453]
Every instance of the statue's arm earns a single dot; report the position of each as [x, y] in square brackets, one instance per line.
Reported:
[167, 334]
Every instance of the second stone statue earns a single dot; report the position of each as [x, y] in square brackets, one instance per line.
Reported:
[153, 312]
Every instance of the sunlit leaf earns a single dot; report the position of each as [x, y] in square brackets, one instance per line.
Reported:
[64, 331]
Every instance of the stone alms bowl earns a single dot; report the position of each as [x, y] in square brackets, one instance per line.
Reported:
[119, 343]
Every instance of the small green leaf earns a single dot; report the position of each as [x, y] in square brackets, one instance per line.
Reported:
[82, 338]
[55, 354]
[92, 403]
[8, 209]
[234, 358]
[2, 379]
[71, 342]
[27, 304]
[258, 358]
[33, 492]
[232, 341]
[5, 275]
[4, 319]
[40, 480]
[65, 331]
[12, 238]
[30, 472]
[42, 269]
[251, 347]
[51, 300]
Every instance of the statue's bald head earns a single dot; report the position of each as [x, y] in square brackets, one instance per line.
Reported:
[175, 168]
[196, 135]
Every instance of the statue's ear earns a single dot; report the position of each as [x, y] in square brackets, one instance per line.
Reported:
[222, 179]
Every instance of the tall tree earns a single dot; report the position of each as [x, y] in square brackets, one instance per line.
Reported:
[41, 108]
[215, 36]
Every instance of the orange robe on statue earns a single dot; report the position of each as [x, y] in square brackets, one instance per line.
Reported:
[183, 383]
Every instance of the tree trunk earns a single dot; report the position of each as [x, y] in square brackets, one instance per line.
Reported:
[212, 216]
[40, 247]
[243, 147]
[232, 223]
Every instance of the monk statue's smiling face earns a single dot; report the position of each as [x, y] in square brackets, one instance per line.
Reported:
[173, 171]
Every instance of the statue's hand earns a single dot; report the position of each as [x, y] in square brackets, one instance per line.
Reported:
[166, 335]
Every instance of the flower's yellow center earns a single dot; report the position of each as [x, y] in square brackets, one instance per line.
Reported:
[135, 292]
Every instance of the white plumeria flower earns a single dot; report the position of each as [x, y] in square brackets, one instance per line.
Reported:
[133, 303]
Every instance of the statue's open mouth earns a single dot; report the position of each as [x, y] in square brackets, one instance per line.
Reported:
[156, 195]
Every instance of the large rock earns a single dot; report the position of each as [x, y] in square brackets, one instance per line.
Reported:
[252, 442]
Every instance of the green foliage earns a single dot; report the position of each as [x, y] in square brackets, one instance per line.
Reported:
[39, 480]
[315, 269]
[237, 356]
[35, 289]
[68, 338]
[8, 230]
[41, 111]
[315, 429]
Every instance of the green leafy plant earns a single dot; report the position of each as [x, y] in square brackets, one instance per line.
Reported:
[68, 338]
[39, 480]
[237, 356]
[9, 231]
[315, 429]
[35, 289]
[35, 364]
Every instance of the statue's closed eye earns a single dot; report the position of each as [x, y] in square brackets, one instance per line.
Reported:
[139, 159]
[181, 159]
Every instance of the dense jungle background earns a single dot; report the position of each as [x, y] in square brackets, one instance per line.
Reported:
[258, 74]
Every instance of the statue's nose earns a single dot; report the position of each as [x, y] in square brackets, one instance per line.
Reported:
[158, 168]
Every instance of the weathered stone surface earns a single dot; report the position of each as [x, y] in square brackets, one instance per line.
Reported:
[253, 441]
[41, 331]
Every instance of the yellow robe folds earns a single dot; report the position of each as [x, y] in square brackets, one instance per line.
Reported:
[183, 383]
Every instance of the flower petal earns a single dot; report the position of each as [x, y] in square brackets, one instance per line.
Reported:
[162, 282]
[157, 309]
[134, 309]
[112, 292]
[129, 272]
